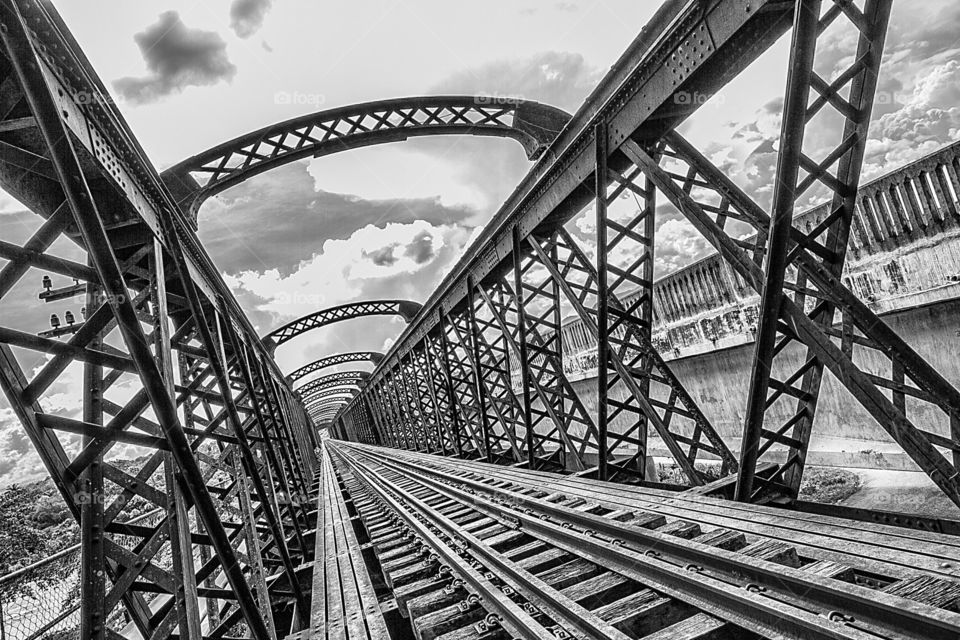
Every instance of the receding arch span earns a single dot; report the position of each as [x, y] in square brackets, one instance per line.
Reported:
[331, 380]
[340, 358]
[406, 309]
[329, 402]
[532, 124]
[328, 413]
[316, 408]
[337, 386]
[345, 387]
[328, 406]
[328, 409]
[332, 392]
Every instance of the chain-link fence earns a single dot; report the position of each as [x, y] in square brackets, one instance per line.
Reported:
[42, 601]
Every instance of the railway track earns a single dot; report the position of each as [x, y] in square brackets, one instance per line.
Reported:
[472, 550]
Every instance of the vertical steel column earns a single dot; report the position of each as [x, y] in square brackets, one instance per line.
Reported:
[410, 391]
[252, 541]
[286, 434]
[802, 48]
[424, 376]
[389, 392]
[268, 449]
[410, 439]
[460, 429]
[211, 606]
[379, 416]
[219, 365]
[474, 346]
[603, 295]
[93, 614]
[568, 407]
[524, 356]
[186, 603]
[856, 126]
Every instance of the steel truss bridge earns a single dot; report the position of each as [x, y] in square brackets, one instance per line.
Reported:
[462, 488]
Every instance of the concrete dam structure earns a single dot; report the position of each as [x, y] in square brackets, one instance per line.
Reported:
[903, 261]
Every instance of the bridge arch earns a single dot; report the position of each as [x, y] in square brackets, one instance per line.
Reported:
[338, 402]
[334, 386]
[334, 379]
[327, 405]
[327, 402]
[344, 388]
[532, 124]
[316, 399]
[330, 394]
[406, 309]
[339, 358]
[328, 411]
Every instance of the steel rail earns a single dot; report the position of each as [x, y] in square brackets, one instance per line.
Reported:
[842, 541]
[626, 549]
[577, 619]
[514, 618]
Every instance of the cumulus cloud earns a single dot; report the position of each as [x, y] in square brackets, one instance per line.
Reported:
[176, 57]
[246, 16]
[559, 79]
[678, 244]
[929, 119]
[19, 461]
[420, 249]
[279, 219]
[391, 261]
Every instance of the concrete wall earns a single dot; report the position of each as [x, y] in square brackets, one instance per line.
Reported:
[718, 383]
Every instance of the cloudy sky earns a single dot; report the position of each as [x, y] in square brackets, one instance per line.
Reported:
[389, 221]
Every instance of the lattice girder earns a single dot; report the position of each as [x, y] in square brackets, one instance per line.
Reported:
[406, 309]
[338, 358]
[194, 180]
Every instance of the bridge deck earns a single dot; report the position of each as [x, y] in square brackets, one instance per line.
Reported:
[344, 603]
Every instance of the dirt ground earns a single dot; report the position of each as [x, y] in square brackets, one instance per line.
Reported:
[902, 491]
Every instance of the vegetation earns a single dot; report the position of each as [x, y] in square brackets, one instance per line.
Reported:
[828, 485]
[35, 523]
[671, 473]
